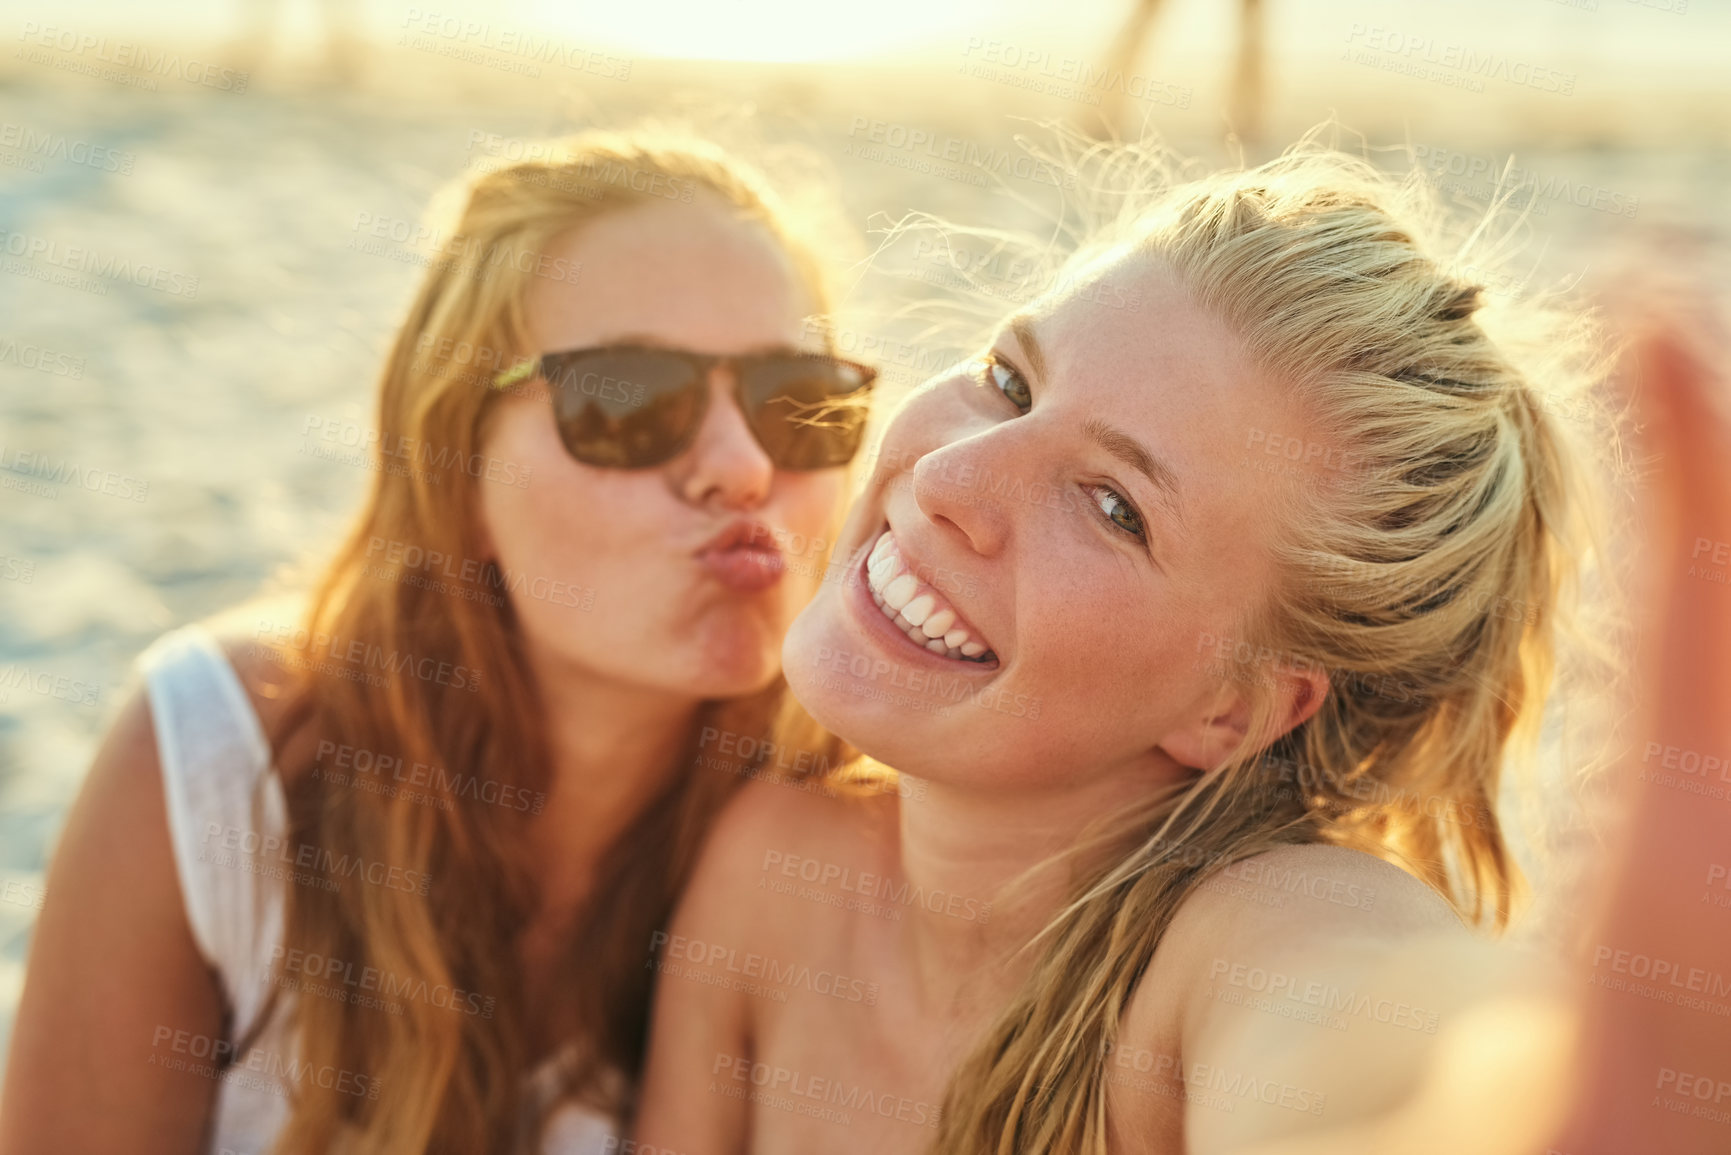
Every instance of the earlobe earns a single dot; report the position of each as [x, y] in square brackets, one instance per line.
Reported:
[483, 535]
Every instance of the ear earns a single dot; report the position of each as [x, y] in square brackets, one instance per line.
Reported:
[480, 532]
[1208, 737]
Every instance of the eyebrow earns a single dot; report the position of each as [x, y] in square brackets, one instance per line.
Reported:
[647, 341]
[1114, 441]
[1022, 326]
[1134, 454]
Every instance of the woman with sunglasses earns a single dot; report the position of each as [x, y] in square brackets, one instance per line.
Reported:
[385, 879]
[1244, 596]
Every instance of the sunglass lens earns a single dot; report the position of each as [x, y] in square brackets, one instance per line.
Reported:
[625, 409]
[808, 412]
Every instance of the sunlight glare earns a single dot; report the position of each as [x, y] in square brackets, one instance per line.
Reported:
[767, 30]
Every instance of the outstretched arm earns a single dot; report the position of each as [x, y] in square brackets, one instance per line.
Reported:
[1312, 1015]
[1655, 1070]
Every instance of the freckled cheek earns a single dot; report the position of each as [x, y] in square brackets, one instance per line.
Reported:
[1102, 648]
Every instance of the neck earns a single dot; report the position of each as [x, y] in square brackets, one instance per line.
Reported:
[977, 844]
[612, 749]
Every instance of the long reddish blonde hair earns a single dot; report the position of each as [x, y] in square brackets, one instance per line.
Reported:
[447, 1074]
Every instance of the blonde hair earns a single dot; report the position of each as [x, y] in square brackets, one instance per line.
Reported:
[1430, 580]
[448, 1078]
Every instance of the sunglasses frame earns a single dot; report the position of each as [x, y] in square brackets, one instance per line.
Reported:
[704, 364]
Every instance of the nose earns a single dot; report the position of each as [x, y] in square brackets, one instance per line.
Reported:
[964, 487]
[725, 465]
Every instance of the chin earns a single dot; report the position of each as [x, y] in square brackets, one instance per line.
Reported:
[887, 726]
[724, 655]
[806, 680]
[739, 676]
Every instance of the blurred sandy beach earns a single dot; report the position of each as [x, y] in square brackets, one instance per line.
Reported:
[201, 266]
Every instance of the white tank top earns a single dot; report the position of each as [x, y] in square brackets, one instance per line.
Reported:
[224, 799]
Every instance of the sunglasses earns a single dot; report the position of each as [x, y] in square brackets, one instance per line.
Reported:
[632, 407]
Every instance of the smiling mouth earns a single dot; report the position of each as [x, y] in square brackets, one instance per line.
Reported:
[918, 610]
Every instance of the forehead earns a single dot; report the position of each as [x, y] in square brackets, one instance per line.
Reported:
[693, 275]
[1128, 324]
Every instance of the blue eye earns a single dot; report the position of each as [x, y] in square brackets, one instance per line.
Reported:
[1118, 510]
[996, 373]
[1003, 377]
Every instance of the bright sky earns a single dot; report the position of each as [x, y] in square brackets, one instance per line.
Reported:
[1614, 32]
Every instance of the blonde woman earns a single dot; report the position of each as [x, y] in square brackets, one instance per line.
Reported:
[384, 879]
[1205, 629]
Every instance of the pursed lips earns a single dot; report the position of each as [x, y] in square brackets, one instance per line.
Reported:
[744, 556]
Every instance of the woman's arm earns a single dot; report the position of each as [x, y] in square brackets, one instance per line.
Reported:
[1655, 1057]
[1309, 1015]
[116, 990]
[1389, 1036]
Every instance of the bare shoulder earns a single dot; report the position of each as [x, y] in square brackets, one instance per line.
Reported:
[1295, 893]
[747, 909]
[254, 640]
[780, 830]
[1323, 972]
[250, 637]
[124, 784]
[738, 905]
[1282, 906]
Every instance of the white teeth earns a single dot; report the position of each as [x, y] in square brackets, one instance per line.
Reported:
[918, 610]
[901, 591]
[938, 625]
